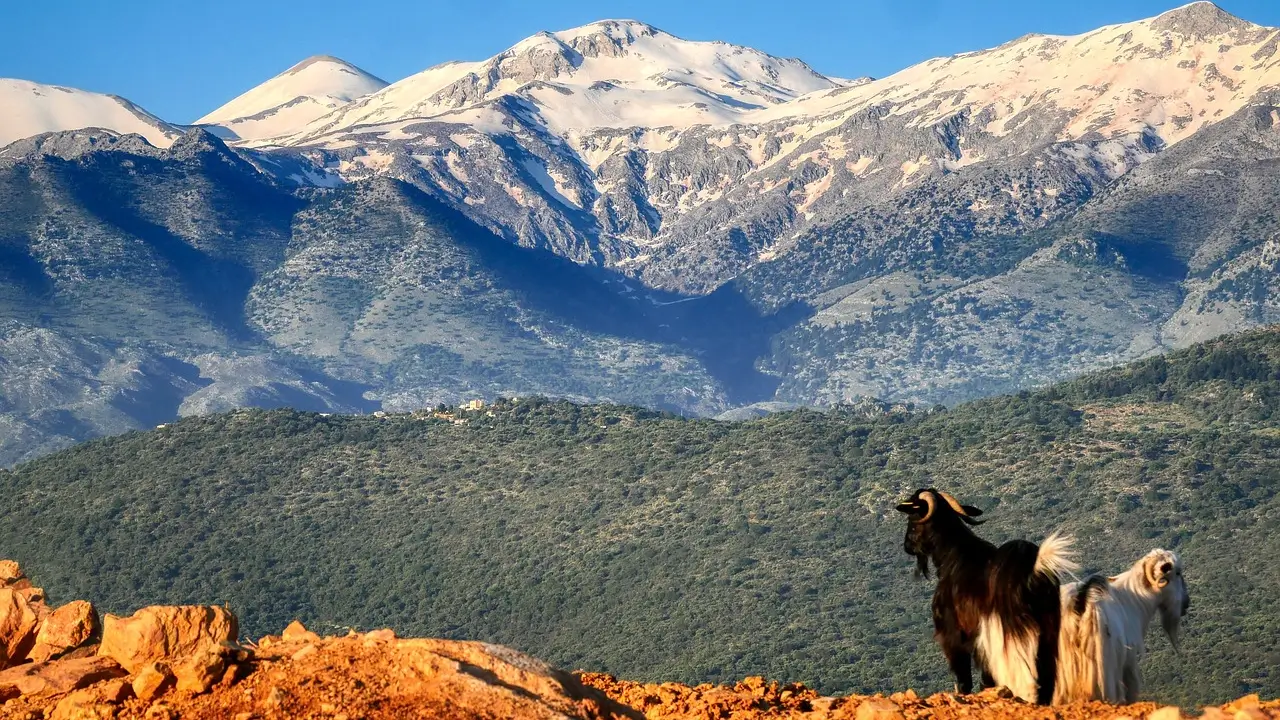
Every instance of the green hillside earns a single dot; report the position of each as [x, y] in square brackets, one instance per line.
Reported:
[658, 547]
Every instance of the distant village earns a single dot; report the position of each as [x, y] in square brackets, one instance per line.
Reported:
[452, 414]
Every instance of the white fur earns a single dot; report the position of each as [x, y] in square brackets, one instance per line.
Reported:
[1057, 556]
[1098, 652]
[1080, 649]
[1010, 660]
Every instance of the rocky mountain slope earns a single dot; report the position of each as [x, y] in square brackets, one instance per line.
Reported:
[190, 662]
[734, 179]
[687, 550]
[704, 227]
[131, 297]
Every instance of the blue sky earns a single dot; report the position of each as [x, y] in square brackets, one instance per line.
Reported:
[181, 60]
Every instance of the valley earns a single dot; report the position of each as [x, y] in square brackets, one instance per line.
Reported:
[611, 213]
[687, 549]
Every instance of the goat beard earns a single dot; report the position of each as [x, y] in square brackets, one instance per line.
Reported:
[1172, 625]
[922, 566]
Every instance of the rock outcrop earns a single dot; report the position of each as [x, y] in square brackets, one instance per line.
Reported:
[18, 625]
[29, 630]
[298, 675]
[757, 699]
[48, 679]
[187, 662]
[184, 634]
[65, 629]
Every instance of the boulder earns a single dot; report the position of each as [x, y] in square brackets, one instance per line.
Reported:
[152, 681]
[297, 632]
[166, 634]
[66, 628]
[18, 622]
[96, 703]
[198, 672]
[58, 677]
[10, 573]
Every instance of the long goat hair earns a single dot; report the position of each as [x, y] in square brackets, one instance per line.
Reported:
[1104, 627]
[998, 604]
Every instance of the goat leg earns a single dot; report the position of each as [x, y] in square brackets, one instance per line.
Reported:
[961, 663]
[1047, 656]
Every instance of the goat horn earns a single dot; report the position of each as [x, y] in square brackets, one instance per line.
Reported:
[930, 500]
[955, 505]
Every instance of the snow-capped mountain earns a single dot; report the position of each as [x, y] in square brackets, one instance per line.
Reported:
[969, 225]
[686, 163]
[289, 101]
[608, 74]
[1173, 74]
[28, 108]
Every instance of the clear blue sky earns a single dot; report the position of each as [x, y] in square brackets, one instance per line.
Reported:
[180, 60]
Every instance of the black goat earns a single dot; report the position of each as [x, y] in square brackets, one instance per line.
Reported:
[1000, 604]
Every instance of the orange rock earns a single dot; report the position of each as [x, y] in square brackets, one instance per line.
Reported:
[59, 676]
[95, 703]
[199, 671]
[152, 681]
[18, 623]
[305, 652]
[383, 635]
[10, 572]
[78, 707]
[234, 674]
[1244, 703]
[877, 708]
[297, 632]
[165, 633]
[66, 628]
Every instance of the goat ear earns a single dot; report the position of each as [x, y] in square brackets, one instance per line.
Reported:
[908, 507]
[971, 511]
[1156, 572]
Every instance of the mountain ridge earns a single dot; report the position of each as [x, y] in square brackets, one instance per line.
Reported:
[950, 231]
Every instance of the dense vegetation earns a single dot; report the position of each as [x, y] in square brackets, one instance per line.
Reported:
[658, 547]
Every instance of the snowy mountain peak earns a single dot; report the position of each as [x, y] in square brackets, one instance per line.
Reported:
[1200, 19]
[606, 74]
[607, 37]
[287, 102]
[28, 109]
[338, 63]
[616, 28]
[1170, 75]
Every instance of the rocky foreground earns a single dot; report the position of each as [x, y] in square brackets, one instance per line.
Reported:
[167, 662]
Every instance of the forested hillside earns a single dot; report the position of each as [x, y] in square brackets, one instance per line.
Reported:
[657, 547]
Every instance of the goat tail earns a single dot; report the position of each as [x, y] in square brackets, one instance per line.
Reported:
[1081, 643]
[1057, 557]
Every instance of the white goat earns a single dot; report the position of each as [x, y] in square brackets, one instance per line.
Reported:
[1104, 628]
